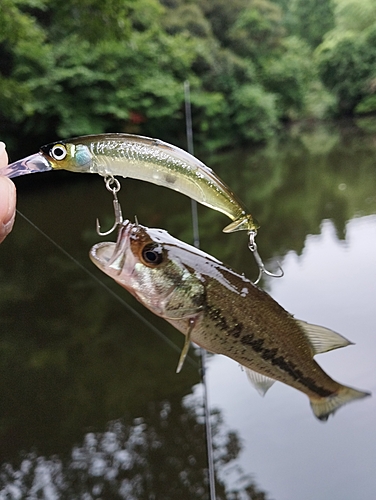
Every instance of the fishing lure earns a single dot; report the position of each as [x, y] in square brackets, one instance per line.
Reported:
[145, 159]
[140, 158]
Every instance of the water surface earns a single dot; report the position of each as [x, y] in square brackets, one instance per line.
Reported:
[90, 405]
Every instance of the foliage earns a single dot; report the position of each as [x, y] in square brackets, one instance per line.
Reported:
[346, 58]
[20, 37]
[255, 112]
[158, 456]
[121, 68]
[355, 15]
[290, 76]
[347, 62]
[310, 20]
[257, 31]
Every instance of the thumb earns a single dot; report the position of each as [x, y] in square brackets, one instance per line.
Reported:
[7, 198]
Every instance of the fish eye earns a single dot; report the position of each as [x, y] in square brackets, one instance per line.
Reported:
[152, 254]
[58, 152]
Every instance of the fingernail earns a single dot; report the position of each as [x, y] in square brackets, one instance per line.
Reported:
[8, 226]
[3, 156]
[7, 206]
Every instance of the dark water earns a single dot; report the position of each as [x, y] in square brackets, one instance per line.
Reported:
[90, 405]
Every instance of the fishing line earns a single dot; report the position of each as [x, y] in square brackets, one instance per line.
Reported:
[196, 242]
[111, 292]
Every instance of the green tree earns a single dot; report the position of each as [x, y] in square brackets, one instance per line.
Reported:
[347, 62]
[255, 112]
[257, 31]
[21, 38]
[290, 77]
[65, 76]
[310, 20]
[346, 57]
[222, 14]
[355, 15]
[122, 68]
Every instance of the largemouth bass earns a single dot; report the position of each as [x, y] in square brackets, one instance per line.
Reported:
[140, 158]
[224, 312]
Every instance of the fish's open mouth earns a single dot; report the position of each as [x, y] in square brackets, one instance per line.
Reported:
[102, 253]
[109, 255]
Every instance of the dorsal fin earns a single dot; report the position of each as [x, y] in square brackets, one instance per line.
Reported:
[322, 339]
[260, 382]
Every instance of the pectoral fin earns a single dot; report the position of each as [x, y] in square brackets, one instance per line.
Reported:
[185, 300]
[322, 339]
[181, 313]
[260, 382]
[186, 346]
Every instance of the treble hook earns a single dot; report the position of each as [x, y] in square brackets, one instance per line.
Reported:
[253, 248]
[112, 185]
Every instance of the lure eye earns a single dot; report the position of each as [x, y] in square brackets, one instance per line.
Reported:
[58, 152]
[152, 255]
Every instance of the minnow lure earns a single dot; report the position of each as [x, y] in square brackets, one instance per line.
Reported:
[223, 312]
[140, 158]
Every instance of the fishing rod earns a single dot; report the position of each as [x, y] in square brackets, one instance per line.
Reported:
[196, 242]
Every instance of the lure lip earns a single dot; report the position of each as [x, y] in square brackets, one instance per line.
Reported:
[30, 165]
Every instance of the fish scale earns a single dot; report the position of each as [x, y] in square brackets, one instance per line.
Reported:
[224, 312]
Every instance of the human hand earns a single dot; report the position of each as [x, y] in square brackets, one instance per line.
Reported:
[7, 198]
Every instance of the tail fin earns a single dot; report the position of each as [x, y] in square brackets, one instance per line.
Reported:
[324, 407]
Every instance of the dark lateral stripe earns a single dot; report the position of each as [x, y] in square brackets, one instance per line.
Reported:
[266, 354]
[287, 366]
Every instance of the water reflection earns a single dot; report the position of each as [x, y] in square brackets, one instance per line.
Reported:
[292, 185]
[159, 455]
[81, 377]
[332, 283]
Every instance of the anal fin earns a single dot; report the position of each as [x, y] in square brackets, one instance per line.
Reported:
[261, 383]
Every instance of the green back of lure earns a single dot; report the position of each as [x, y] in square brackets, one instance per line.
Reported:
[153, 161]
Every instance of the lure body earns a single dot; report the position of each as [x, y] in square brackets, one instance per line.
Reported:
[145, 159]
[224, 312]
